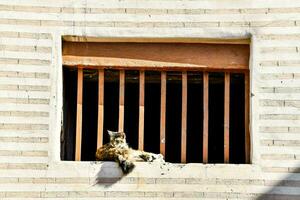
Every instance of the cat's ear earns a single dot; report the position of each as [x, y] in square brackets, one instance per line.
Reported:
[110, 133]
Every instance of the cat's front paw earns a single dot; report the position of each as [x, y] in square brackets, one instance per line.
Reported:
[158, 157]
[126, 166]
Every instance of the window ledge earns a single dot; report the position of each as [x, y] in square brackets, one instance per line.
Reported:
[154, 170]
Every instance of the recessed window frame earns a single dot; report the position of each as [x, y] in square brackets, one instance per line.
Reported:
[81, 64]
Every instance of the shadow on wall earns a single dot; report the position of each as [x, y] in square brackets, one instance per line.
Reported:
[285, 189]
[109, 174]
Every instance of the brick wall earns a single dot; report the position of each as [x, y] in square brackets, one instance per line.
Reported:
[30, 98]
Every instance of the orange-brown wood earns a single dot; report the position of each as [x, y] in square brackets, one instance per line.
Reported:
[121, 100]
[141, 109]
[183, 117]
[247, 111]
[205, 116]
[157, 55]
[151, 68]
[163, 94]
[100, 107]
[79, 115]
[226, 116]
[72, 38]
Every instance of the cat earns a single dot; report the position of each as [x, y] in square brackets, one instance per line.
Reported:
[118, 150]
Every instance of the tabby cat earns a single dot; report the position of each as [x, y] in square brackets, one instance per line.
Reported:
[118, 150]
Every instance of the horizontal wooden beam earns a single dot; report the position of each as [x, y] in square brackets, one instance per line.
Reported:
[157, 55]
[71, 38]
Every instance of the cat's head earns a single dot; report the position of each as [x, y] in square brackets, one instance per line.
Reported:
[117, 137]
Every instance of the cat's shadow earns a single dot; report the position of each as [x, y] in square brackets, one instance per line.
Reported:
[109, 174]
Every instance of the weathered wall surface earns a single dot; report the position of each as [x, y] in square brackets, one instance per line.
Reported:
[30, 98]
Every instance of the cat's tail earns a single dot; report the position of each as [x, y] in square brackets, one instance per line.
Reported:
[125, 164]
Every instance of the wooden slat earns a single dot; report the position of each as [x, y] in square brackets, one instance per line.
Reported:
[205, 116]
[163, 94]
[247, 109]
[79, 115]
[183, 117]
[121, 100]
[141, 109]
[72, 38]
[157, 55]
[226, 116]
[100, 107]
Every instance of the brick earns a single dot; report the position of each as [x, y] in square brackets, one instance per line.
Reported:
[200, 24]
[267, 142]
[9, 34]
[23, 194]
[43, 49]
[278, 156]
[169, 181]
[116, 194]
[254, 11]
[33, 62]
[287, 142]
[278, 50]
[278, 23]
[145, 11]
[75, 10]
[268, 63]
[290, 63]
[188, 194]
[159, 194]
[108, 10]
[27, 22]
[24, 113]
[277, 76]
[57, 23]
[37, 9]
[279, 117]
[54, 194]
[287, 90]
[34, 153]
[35, 35]
[24, 101]
[38, 166]
[24, 139]
[275, 169]
[292, 103]
[268, 102]
[266, 89]
[95, 24]
[78, 180]
[34, 88]
[9, 61]
[294, 129]
[284, 10]
[24, 126]
[8, 180]
[222, 11]
[234, 24]
[264, 129]
[186, 11]
[169, 24]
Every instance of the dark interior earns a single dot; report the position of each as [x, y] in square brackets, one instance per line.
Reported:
[152, 114]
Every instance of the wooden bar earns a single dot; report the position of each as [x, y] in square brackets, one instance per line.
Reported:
[79, 115]
[226, 116]
[100, 107]
[247, 109]
[121, 100]
[205, 116]
[157, 55]
[141, 109]
[183, 117]
[163, 94]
